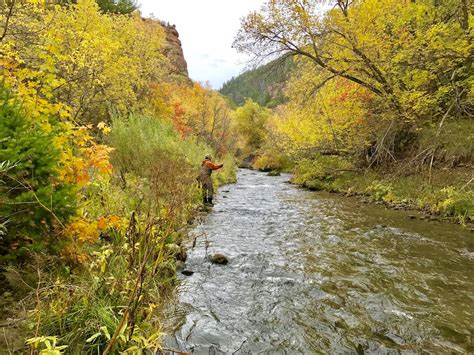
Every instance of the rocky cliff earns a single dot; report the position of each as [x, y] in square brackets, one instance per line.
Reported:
[174, 50]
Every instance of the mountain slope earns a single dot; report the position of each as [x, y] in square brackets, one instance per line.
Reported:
[264, 85]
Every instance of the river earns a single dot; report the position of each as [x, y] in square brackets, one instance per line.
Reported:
[320, 273]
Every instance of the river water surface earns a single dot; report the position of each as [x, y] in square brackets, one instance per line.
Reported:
[320, 273]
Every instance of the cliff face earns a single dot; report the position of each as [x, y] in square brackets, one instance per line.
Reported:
[174, 51]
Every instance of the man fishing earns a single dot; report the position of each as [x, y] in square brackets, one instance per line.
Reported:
[205, 179]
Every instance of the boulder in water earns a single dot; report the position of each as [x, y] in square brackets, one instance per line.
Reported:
[218, 259]
[187, 272]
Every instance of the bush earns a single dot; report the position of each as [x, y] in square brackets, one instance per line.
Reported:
[227, 175]
[272, 161]
[455, 142]
[319, 168]
[454, 203]
[32, 201]
[379, 190]
[152, 149]
[139, 140]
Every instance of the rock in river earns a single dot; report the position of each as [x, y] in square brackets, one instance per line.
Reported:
[218, 259]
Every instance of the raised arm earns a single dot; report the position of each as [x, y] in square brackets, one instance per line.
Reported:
[213, 166]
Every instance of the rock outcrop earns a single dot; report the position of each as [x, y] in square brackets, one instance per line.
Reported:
[174, 51]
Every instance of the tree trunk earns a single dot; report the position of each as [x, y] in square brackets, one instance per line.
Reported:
[465, 14]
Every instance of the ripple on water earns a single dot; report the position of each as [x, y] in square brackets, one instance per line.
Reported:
[314, 272]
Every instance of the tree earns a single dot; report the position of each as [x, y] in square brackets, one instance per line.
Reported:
[99, 64]
[293, 27]
[363, 42]
[250, 123]
[33, 202]
[414, 57]
[196, 110]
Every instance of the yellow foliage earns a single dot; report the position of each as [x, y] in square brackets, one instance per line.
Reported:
[195, 110]
[82, 63]
[111, 221]
[333, 118]
[82, 231]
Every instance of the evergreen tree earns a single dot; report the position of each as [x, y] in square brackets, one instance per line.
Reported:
[117, 6]
[32, 202]
[110, 6]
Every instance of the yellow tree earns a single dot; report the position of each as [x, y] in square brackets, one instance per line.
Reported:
[195, 110]
[70, 66]
[331, 120]
[415, 57]
[250, 120]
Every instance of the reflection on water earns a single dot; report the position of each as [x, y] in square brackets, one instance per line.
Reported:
[314, 272]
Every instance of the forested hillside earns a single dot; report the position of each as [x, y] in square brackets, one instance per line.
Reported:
[264, 85]
[381, 102]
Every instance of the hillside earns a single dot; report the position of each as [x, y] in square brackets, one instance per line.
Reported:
[264, 85]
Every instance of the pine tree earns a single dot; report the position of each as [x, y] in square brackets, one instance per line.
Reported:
[32, 202]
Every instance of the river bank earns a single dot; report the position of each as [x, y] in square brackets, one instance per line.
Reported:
[70, 303]
[449, 197]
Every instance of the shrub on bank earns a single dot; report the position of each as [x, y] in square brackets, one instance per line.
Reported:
[151, 148]
[139, 141]
[270, 161]
[449, 194]
[228, 174]
[323, 168]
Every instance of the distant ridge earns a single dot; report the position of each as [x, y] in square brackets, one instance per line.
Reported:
[264, 85]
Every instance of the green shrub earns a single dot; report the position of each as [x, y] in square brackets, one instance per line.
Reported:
[379, 190]
[269, 161]
[32, 202]
[319, 168]
[152, 149]
[454, 141]
[228, 174]
[455, 203]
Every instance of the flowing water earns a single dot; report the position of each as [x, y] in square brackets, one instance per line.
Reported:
[320, 273]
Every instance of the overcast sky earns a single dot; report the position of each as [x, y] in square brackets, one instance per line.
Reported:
[206, 29]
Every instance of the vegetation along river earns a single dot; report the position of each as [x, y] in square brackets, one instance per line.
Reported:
[321, 273]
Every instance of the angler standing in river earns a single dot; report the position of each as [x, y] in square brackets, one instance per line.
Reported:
[205, 179]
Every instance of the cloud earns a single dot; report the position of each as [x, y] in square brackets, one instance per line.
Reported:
[220, 61]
